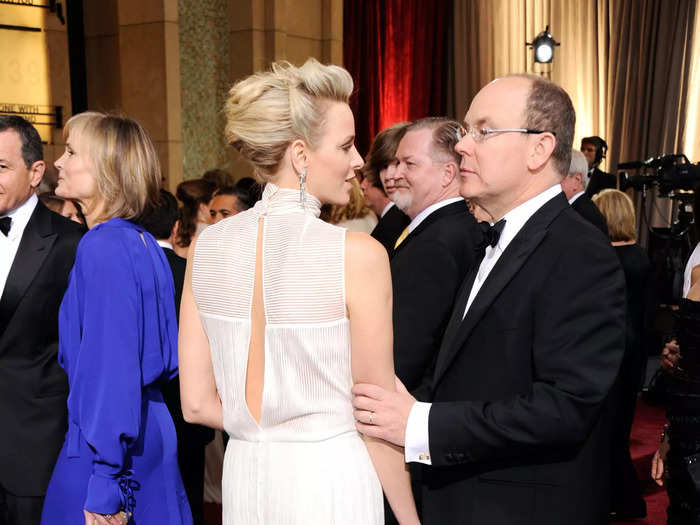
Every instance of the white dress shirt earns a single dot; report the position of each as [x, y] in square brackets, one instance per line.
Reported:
[417, 444]
[387, 208]
[574, 197]
[430, 209]
[164, 244]
[8, 245]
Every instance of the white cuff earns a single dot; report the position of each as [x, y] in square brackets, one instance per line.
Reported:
[417, 446]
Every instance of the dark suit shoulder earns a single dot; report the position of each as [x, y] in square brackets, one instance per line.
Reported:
[589, 211]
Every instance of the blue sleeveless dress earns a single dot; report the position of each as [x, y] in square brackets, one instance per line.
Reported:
[118, 344]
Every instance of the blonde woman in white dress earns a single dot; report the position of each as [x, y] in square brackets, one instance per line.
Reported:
[281, 313]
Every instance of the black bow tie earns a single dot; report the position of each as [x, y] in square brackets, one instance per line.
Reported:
[491, 233]
[5, 225]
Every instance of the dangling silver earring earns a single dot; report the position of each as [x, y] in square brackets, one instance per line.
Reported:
[302, 188]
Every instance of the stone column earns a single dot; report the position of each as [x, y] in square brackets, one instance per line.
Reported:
[149, 70]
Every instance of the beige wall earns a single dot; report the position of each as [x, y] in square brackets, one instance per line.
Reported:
[34, 72]
[170, 63]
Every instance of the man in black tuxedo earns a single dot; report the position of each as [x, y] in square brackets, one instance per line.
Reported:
[513, 432]
[37, 249]
[191, 439]
[574, 188]
[595, 149]
[382, 159]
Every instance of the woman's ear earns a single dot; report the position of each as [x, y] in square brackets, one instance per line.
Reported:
[299, 155]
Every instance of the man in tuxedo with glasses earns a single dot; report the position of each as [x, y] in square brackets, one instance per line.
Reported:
[37, 249]
[512, 429]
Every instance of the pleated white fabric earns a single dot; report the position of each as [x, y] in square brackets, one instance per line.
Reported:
[304, 463]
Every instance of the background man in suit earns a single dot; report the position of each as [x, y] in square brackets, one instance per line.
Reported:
[513, 432]
[434, 252]
[595, 148]
[382, 158]
[227, 202]
[574, 187]
[37, 249]
[191, 439]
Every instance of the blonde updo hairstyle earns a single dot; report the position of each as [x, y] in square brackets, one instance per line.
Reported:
[123, 160]
[269, 110]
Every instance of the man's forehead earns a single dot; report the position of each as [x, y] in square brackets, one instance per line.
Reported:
[10, 139]
[503, 97]
[415, 141]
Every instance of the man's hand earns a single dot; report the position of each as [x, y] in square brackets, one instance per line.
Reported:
[381, 413]
[670, 355]
[658, 462]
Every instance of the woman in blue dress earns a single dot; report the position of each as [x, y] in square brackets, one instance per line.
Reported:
[118, 339]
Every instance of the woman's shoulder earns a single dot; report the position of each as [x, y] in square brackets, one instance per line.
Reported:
[107, 242]
[363, 250]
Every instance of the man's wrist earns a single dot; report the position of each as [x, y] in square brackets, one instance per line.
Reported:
[417, 439]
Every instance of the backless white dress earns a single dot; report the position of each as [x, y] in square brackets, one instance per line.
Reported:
[304, 463]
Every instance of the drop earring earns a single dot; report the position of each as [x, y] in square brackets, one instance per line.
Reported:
[302, 188]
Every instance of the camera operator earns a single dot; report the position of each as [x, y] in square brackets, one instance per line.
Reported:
[595, 149]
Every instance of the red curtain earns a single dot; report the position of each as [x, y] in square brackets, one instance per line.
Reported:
[397, 53]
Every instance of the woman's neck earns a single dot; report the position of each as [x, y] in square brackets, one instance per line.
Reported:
[93, 212]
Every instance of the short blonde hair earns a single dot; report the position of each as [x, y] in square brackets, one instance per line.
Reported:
[267, 111]
[618, 210]
[124, 161]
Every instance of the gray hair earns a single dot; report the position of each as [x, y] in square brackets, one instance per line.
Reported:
[579, 164]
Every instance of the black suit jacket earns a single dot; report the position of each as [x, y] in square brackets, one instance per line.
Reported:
[589, 211]
[390, 227]
[599, 181]
[33, 387]
[188, 435]
[427, 270]
[516, 432]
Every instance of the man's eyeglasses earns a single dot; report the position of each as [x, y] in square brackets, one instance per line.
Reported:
[481, 134]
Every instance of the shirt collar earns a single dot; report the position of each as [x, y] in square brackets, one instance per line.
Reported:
[386, 209]
[517, 217]
[430, 209]
[164, 244]
[572, 199]
[20, 216]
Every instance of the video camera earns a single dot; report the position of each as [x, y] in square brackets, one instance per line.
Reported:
[675, 175]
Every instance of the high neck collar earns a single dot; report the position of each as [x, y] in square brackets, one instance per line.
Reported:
[276, 200]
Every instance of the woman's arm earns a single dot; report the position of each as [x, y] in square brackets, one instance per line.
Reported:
[368, 296]
[199, 398]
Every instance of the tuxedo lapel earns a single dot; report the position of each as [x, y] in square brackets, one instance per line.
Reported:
[450, 209]
[34, 247]
[508, 265]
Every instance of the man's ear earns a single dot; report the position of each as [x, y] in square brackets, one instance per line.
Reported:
[449, 172]
[541, 151]
[37, 173]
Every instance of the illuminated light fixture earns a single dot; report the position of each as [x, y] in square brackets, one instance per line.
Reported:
[543, 45]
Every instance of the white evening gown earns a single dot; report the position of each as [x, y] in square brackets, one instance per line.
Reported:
[304, 463]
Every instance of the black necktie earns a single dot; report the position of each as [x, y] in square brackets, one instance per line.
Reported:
[491, 233]
[5, 225]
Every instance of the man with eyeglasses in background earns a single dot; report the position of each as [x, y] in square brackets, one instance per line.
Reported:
[513, 427]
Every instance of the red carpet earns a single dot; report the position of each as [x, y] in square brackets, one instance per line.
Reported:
[648, 422]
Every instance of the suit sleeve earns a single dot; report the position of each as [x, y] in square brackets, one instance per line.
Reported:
[577, 345]
[424, 291]
[107, 386]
